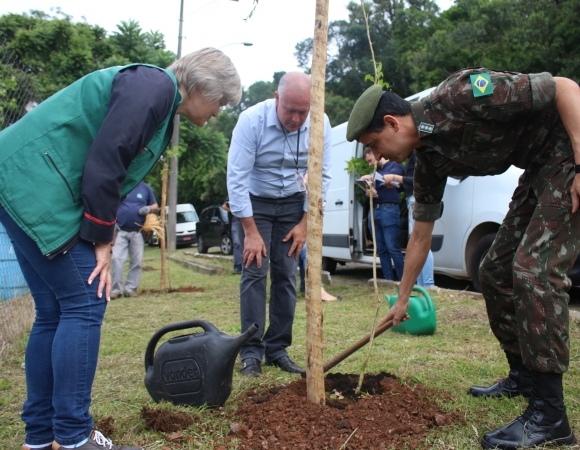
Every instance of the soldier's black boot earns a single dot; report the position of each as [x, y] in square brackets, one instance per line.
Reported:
[518, 382]
[543, 422]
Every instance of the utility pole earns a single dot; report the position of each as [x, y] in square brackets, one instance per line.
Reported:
[173, 163]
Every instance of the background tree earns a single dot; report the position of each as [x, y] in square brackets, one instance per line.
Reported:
[203, 155]
[256, 93]
[417, 45]
[131, 45]
[53, 49]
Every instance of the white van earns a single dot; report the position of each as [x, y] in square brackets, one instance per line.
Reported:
[474, 208]
[185, 228]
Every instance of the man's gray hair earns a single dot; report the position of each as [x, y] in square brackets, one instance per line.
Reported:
[212, 73]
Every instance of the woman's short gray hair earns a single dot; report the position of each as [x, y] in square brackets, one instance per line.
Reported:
[212, 73]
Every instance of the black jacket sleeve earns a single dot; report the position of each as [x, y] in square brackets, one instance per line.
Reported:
[141, 98]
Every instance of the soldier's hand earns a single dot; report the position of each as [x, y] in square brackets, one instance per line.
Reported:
[398, 312]
[575, 193]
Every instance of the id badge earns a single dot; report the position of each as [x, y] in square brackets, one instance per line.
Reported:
[300, 182]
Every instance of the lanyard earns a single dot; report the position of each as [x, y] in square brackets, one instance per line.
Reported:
[290, 147]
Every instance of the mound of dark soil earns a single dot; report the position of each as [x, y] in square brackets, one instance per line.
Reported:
[386, 415]
[161, 419]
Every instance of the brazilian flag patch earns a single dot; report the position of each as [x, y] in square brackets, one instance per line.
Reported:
[481, 84]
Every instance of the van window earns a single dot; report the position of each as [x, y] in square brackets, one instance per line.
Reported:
[187, 216]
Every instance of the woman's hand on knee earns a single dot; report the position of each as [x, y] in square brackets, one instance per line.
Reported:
[103, 262]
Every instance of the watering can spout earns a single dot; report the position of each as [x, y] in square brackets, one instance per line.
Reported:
[245, 337]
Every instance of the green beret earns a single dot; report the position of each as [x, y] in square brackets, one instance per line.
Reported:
[363, 112]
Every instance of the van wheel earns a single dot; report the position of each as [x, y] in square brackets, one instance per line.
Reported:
[481, 250]
[226, 245]
[329, 265]
[201, 247]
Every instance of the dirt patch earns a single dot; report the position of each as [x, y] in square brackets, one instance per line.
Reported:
[173, 290]
[388, 414]
[476, 313]
[106, 425]
[161, 419]
[148, 268]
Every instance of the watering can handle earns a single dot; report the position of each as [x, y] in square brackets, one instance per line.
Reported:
[149, 352]
[425, 294]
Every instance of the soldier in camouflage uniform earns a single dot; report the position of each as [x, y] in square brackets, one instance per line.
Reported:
[480, 122]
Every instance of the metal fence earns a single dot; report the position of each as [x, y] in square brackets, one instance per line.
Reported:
[16, 306]
[17, 96]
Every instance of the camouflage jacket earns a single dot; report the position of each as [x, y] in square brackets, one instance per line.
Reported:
[480, 122]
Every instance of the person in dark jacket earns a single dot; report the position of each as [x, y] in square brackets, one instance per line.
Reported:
[64, 168]
[129, 239]
[386, 214]
[480, 122]
[405, 180]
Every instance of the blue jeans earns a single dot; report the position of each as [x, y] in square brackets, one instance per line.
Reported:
[387, 226]
[61, 355]
[426, 277]
[274, 219]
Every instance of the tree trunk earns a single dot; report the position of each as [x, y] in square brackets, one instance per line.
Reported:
[314, 343]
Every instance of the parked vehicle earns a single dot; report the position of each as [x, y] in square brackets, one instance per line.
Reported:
[474, 208]
[214, 230]
[185, 228]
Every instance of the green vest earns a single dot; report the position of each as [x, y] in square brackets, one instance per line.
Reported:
[43, 154]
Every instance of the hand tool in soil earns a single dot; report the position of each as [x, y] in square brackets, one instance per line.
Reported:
[353, 348]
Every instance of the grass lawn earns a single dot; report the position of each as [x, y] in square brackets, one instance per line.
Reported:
[461, 353]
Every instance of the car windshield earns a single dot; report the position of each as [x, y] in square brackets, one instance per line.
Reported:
[187, 216]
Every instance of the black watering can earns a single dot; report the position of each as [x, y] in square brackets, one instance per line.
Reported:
[193, 369]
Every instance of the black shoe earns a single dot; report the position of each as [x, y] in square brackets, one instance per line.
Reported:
[530, 432]
[237, 270]
[503, 388]
[518, 382]
[543, 422]
[287, 365]
[251, 367]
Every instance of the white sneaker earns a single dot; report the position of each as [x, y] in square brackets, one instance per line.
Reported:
[97, 442]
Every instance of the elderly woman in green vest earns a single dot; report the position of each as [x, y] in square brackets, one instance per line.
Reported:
[64, 168]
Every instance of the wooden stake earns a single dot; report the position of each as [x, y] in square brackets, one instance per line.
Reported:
[314, 343]
[162, 221]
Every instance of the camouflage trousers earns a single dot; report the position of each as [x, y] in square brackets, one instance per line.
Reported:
[524, 276]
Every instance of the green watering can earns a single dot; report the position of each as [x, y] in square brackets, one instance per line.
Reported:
[421, 309]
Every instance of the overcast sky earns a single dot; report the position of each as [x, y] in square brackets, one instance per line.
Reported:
[274, 29]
